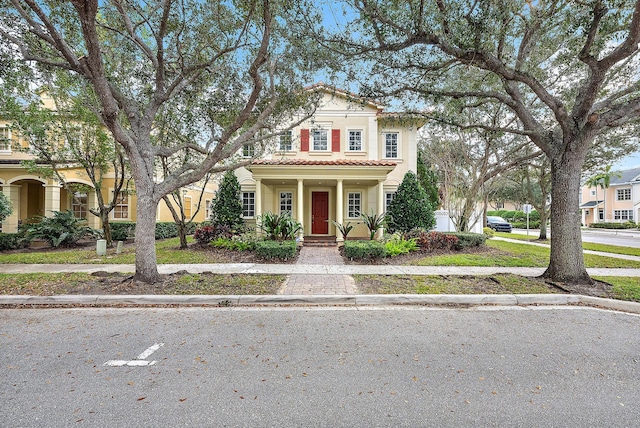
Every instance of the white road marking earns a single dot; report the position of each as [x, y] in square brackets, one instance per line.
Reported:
[149, 351]
[139, 361]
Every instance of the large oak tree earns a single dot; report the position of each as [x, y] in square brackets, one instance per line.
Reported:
[223, 71]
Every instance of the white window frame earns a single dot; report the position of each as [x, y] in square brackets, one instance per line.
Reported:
[7, 130]
[285, 141]
[361, 134]
[601, 214]
[248, 204]
[285, 201]
[385, 141]
[388, 197]
[248, 151]
[327, 134]
[593, 192]
[626, 194]
[623, 215]
[354, 204]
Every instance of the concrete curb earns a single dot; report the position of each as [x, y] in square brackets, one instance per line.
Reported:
[329, 300]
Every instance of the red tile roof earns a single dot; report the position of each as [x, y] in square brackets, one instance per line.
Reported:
[337, 162]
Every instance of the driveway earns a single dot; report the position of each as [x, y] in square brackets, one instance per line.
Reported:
[320, 367]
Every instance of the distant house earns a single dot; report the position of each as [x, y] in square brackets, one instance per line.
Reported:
[349, 158]
[619, 203]
[32, 195]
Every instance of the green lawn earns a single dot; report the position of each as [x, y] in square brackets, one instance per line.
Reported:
[167, 251]
[511, 254]
[605, 248]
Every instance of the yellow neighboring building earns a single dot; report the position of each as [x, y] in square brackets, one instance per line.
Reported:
[350, 157]
[31, 195]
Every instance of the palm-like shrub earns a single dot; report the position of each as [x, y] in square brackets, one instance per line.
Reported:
[374, 222]
[278, 227]
[344, 228]
[61, 230]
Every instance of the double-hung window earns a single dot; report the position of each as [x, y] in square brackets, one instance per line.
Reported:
[248, 204]
[623, 215]
[320, 140]
[355, 141]
[248, 151]
[354, 204]
[391, 145]
[388, 197]
[286, 141]
[5, 139]
[79, 205]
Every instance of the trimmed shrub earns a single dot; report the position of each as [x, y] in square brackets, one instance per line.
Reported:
[166, 230]
[364, 249]
[430, 241]
[488, 232]
[122, 230]
[207, 233]
[533, 224]
[466, 240]
[280, 250]
[410, 207]
[226, 207]
[12, 241]
[625, 225]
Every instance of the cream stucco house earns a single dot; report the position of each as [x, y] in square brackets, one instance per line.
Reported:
[350, 157]
[618, 203]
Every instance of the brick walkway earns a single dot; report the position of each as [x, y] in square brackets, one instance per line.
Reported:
[309, 284]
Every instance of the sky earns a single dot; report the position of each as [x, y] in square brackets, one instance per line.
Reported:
[628, 162]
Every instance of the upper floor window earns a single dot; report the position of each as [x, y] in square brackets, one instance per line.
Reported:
[593, 193]
[623, 194]
[391, 145]
[248, 204]
[187, 204]
[248, 151]
[355, 141]
[5, 139]
[286, 202]
[286, 141]
[320, 140]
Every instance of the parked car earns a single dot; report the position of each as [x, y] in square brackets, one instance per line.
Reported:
[498, 224]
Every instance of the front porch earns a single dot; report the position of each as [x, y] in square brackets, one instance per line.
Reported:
[318, 193]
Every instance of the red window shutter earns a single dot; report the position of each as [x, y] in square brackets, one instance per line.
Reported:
[335, 140]
[304, 140]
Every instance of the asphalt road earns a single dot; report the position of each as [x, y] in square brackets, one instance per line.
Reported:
[319, 367]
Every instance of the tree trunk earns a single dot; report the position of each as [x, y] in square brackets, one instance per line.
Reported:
[146, 261]
[543, 224]
[106, 227]
[567, 261]
[182, 232]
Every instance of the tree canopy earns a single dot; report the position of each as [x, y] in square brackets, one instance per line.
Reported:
[567, 72]
[222, 73]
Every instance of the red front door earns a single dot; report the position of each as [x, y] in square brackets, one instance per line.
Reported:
[319, 213]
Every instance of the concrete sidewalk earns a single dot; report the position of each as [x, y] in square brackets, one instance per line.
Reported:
[304, 269]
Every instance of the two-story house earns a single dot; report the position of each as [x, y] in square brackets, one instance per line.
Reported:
[349, 158]
[618, 203]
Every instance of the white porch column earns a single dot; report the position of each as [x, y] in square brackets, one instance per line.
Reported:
[10, 224]
[300, 207]
[51, 199]
[92, 201]
[258, 200]
[339, 197]
[380, 204]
